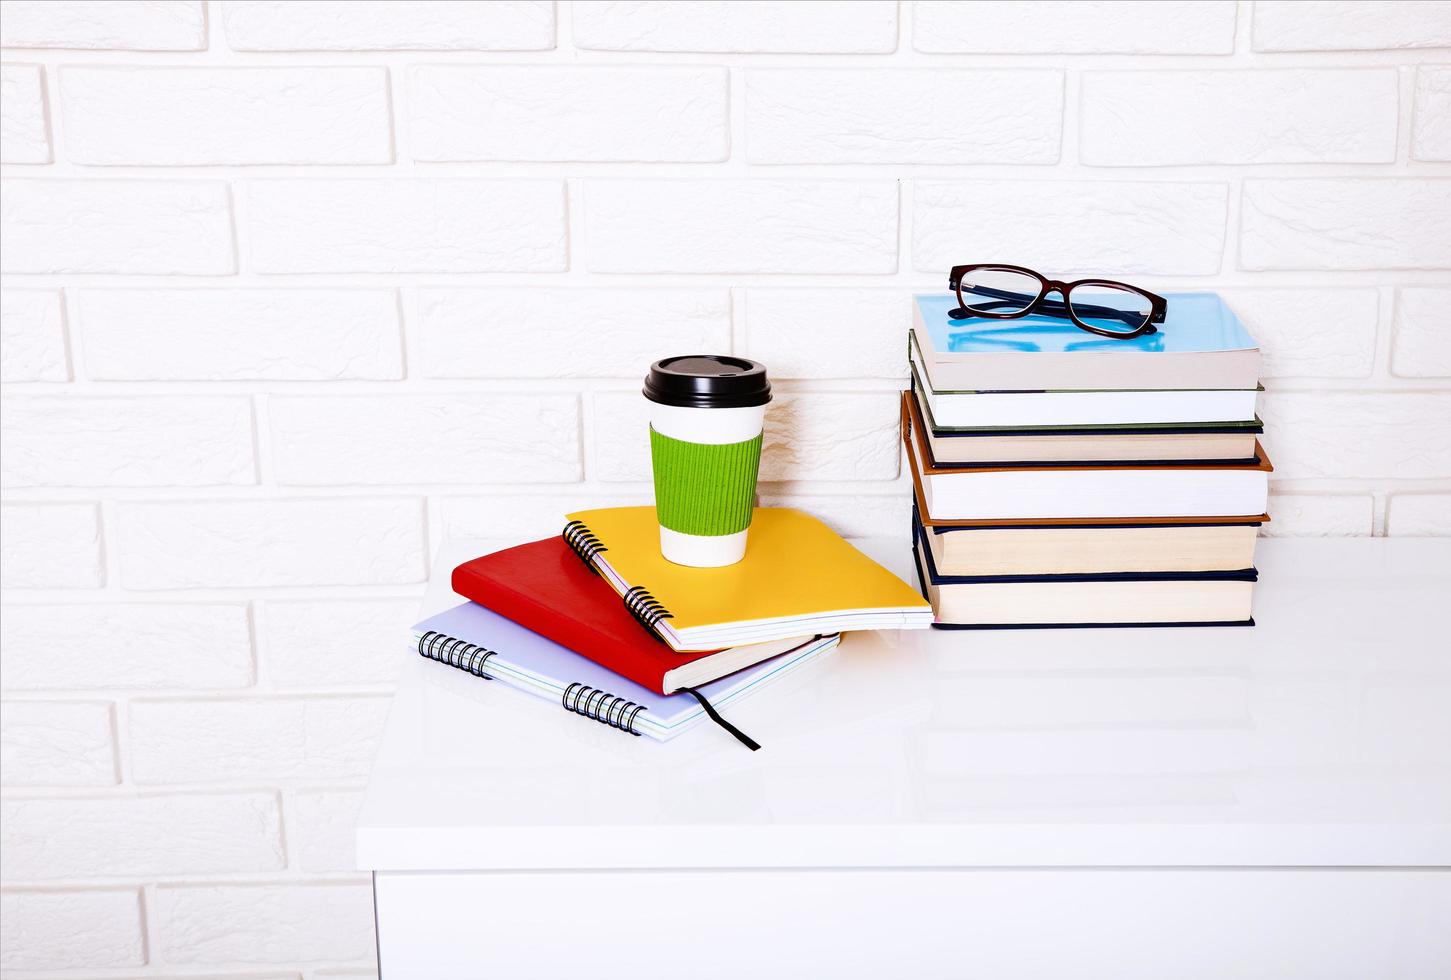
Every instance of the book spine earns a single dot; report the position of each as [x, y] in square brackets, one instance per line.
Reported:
[602, 706]
[591, 702]
[583, 542]
[639, 601]
[453, 652]
[646, 609]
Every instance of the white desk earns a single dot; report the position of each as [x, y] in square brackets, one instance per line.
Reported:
[1272, 802]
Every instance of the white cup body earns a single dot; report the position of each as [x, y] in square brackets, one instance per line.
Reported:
[710, 426]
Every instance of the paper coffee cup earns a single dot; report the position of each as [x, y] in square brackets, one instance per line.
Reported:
[706, 415]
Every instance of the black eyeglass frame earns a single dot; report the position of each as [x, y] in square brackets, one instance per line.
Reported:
[1158, 305]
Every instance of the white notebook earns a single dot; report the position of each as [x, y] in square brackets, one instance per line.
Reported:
[479, 641]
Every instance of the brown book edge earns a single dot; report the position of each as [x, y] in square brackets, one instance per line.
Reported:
[913, 440]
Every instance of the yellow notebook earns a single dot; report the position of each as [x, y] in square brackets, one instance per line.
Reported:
[798, 577]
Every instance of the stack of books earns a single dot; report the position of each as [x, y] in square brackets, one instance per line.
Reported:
[1065, 479]
[597, 621]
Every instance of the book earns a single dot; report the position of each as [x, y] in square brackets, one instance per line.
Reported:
[481, 642]
[1225, 443]
[543, 586]
[1200, 345]
[936, 524]
[1185, 489]
[969, 550]
[940, 444]
[1130, 599]
[987, 409]
[798, 577]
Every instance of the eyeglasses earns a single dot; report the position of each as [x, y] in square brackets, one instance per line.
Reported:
[1101, 306]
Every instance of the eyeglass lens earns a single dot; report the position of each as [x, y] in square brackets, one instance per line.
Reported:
[1112, 309]
[999, 291]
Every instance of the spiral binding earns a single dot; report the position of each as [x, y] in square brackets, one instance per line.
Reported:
[647, 610]
[602, 706]
[454, 652]
[584, 543]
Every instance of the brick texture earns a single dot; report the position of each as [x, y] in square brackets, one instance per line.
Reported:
[142, 227]
[51, 546]
[271, 543]
[1334, 25]
[1420, 514]
[895, 116]
[741, 226]
[434, 439]
[1138, 119]
[406, 226]
[752, 26]
[1111, 227]
[1068, 27]
[24, 135]
[1422, 344]
[293, 291]
[264, 924]
[132, 25]
[323, 821]
[72, 930]
[512, 518]
[1304, 515]
[285, 738]
[103, 837]
[469, 112]
[124, 442]
[1346, 224]
[57, 744]
[1311, 333]
[381, 25]
[32, 331]
[240, 334]
[123, 645]
[334, 642]
[828, 333]
[1341, 434]
[203, 116]
[611, 333]
[1431, 133]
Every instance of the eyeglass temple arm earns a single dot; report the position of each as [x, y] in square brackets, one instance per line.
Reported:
[1058, 309]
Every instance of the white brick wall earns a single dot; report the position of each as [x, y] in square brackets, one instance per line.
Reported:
[381, 25]
[1071, 27]
[277, 277]
[819, 115]
[210, 116]
[466, 112]
[32, 332]
[24, 135]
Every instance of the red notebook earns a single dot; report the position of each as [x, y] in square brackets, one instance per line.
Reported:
[543, 586]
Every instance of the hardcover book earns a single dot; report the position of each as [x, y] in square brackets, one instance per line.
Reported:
[1100, 491]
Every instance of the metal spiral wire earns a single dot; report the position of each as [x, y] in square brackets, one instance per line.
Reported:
[602, 706]
[452, 651]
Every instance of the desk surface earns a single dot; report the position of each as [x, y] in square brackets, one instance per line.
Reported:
[1320, 737]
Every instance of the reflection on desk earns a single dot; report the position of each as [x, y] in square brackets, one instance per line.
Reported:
[1321, 737]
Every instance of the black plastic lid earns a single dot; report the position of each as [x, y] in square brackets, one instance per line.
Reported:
[707, 381]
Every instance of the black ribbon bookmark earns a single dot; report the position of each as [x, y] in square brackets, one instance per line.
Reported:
[740, 736]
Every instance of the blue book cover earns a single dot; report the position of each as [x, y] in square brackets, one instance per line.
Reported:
[1193, 323]
[1200, 345]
